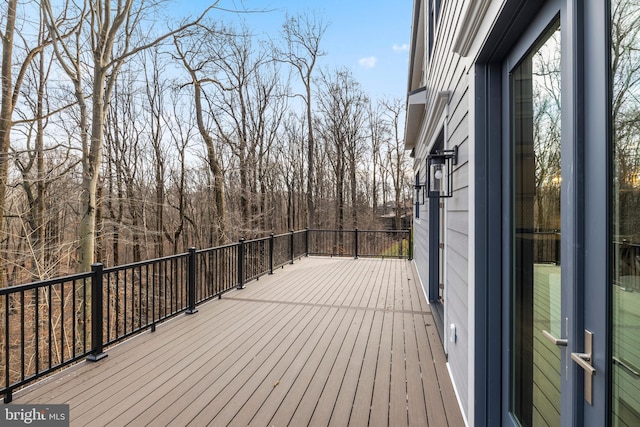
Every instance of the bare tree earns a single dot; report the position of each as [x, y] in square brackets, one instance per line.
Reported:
[181, 131]
[187, 56]
[32, 157]
[355, 143]
[625, 66]
[154, 90]
[341, 122]
[111, 29]
[10, 92]
[397, 156]
[303, 35]
[378, 134]
[248, 104]
[290, 165]
[124, 136]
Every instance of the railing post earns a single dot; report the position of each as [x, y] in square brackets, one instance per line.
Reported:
[292, 250]
[97, 316]
[410, 244]
[191, 282]
[306, 242]
[271, 245]
[356, 244]
[241, 264]
[8, 397]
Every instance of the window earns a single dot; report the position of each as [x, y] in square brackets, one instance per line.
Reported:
[434, 15]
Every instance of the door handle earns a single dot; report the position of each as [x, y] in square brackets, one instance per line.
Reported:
[585, 361]
[560, 342]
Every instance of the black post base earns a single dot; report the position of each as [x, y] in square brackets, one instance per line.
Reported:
[96, 357]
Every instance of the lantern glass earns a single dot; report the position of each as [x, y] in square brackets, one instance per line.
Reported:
[419, 194]
[420, 191]
[439, 177]
[440, 171]
[438, 183]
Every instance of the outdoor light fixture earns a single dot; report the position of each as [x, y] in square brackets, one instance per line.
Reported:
[440, 172]
[420, 189]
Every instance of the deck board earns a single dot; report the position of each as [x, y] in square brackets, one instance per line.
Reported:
[417, 413]
[326, 341]
[221, 375]
[361, 407]
[379, 414]
[328, 396]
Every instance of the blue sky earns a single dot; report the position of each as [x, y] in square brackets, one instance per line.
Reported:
[370, 38]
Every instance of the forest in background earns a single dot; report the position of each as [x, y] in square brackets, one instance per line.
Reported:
[121, 141]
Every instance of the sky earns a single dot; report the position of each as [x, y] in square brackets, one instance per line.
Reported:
[370, 38]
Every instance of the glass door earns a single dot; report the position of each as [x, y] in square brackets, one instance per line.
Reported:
[625, 212]
[441, 266]
[570, 212]
[535, 284]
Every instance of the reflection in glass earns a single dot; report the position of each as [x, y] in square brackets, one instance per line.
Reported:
[535, 138]
[625, 109]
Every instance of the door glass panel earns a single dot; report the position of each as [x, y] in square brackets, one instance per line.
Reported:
[625, 64]
[441, 255]
[535, 286]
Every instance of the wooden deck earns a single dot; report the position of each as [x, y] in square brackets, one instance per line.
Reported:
[325, 341]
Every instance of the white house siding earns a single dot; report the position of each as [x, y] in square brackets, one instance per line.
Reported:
[420, 245]
[446, 72]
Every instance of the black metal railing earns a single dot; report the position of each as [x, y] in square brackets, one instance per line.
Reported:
[627, 258]
[216, 272]
[47, 325]
[361, 243]
[137, 296]
[544, 245]
[547, 247]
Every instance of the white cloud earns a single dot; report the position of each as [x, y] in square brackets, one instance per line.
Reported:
[401, 48]
[368, 62]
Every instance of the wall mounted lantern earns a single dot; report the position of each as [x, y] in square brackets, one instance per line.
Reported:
[440, 172]
[420, 190]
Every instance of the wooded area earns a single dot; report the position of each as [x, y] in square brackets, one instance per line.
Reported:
[124, 137]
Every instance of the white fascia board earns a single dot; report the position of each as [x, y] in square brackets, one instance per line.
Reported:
[416, 106]
[435, 115]
[472, 19]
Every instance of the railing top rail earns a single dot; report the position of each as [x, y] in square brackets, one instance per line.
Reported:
[289, 233]
[44, 283]
[403, 230]
[217, 248]
[384, 231]
[259, 239]
[534, 231]
[625, 242]
[142, 263]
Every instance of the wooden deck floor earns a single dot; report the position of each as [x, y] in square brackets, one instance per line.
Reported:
[325, 341]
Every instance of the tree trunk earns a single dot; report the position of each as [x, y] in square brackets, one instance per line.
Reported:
[40, 176]
[159, 204]
[91, 170]
[354, 194]
[311, 218]
[214, 167]
[6, 111]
